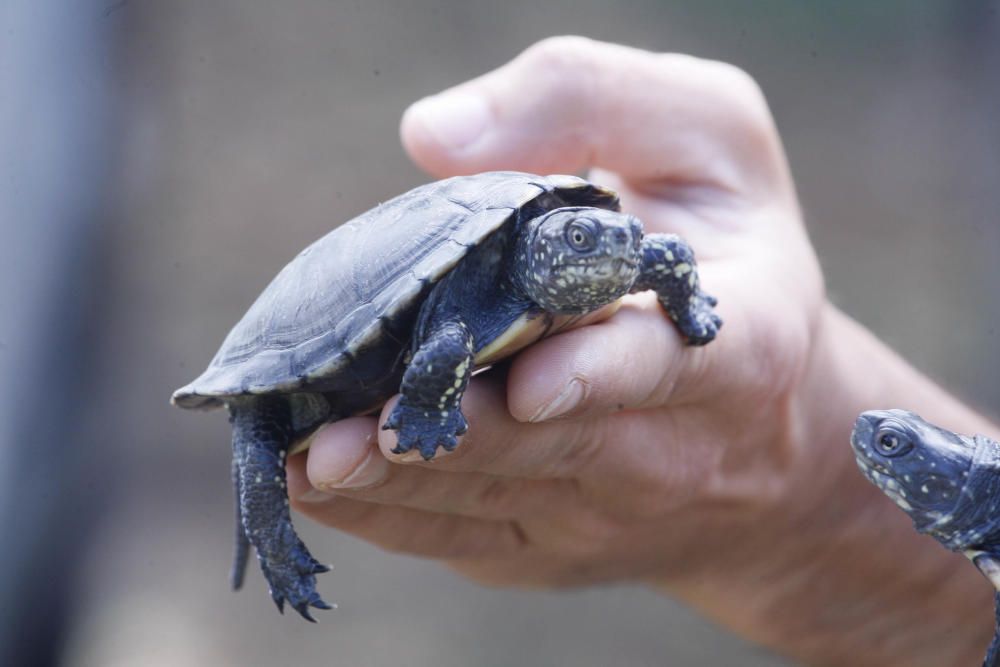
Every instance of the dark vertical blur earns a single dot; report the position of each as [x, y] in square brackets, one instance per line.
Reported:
[54, 130]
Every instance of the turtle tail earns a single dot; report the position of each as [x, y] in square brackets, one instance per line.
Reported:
[262, 433]
[241, 550]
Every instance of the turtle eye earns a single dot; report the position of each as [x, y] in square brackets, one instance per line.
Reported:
[581, 236]
[892, 443]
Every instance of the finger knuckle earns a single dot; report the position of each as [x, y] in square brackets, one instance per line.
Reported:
[738, 82]
[649, 501]
[560, 53]
[597, 530]
[497, 498]
[735, 91]
[579, 448]
[431, 539]
[488, 540]
[589, 535]
[562, 69]
[745, 95]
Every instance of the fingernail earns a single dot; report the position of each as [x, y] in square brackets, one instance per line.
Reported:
[455, 120]
[370, 471]
[411, 456]
[316, 496]
[570, 397]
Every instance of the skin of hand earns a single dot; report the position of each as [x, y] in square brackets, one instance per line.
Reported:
[721, 475]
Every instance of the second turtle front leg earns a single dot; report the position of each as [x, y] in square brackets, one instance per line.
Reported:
[429, 413]
[669, 269]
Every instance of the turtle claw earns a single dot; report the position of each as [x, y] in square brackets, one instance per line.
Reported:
[303, 610]
[698, 323]
[314, 600]
[295, 582]
[392, 421]
[300, 603]
[424, 430]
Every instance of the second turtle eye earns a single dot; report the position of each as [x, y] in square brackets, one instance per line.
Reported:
[581, 236]
[888, 443]
[891, 443]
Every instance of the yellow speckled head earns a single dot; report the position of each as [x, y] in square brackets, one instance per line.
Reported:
[577, 259]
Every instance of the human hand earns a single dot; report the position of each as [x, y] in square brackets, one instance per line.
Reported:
[649, 432]
[614, 452]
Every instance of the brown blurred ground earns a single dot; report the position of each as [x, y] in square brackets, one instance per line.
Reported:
[251, 128]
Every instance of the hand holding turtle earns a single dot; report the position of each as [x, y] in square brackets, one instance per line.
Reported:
[614, 452]
[652, 440]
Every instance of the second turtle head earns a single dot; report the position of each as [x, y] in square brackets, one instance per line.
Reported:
[920, 466]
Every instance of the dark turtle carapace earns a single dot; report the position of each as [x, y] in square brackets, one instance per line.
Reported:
[949, 484]
[409, 298]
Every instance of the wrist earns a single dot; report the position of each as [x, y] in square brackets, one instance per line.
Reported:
[827, 570]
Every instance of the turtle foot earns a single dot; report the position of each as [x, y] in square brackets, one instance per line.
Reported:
[698, 323]
[295, 583]
[425, 430]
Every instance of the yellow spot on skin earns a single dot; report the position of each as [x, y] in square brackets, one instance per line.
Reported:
[682, 269]
[258, 479]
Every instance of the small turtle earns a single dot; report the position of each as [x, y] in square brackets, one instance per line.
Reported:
[410, 297]
[948, 483]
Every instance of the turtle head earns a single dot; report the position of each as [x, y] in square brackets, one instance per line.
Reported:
[921, 467]
[577, 259]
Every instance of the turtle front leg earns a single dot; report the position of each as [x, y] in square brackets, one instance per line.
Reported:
[428, 414]
[261, 437]
[669, 269]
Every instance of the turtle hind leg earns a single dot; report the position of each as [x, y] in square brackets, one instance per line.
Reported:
[261, 437]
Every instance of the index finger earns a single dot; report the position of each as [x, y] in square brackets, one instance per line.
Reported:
[568, 103]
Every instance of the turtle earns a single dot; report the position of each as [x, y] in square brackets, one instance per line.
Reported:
[948, 483]
[411, 297]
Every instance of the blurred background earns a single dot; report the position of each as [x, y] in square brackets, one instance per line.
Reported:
[163, 160]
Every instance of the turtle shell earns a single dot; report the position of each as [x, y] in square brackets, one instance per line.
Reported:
[359, 288]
